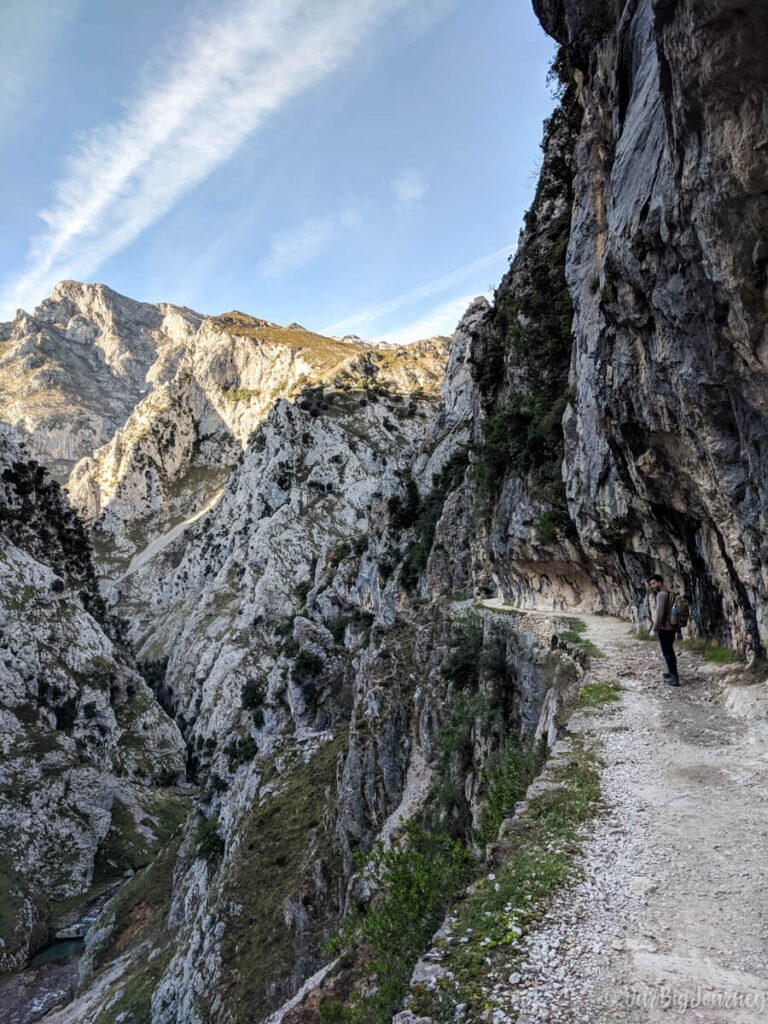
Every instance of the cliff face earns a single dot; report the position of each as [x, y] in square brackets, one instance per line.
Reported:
[292, 661]
[520, 359]
[297, 633]
[648, 229]
[666, 428]
[87, 753]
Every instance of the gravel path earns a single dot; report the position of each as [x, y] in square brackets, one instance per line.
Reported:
[669, 917]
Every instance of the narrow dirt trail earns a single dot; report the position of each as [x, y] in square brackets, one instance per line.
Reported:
[162, 542]
[668, 919]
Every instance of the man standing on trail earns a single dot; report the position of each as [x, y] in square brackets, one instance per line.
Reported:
[667, 630]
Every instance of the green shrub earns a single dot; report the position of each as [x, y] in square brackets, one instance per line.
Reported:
[216, 784]
[508, 773]
[461, 665]
[550, 524]
[493, 661]
[427, 516]
[234, 394]
[306, 666]
[252, 695]
[208, 842]
[415, 882]
[337, 624]
[154, 672]
[456, 735]
[167, 777]
[252, 698]
[66, 714]
[241, 751]
[337, 627]
[386, 568]
[339, 553]
[284, 626]
[333, 1012]
[290, 647]
[403, 513]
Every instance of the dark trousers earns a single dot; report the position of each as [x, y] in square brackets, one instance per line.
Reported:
[667, 641]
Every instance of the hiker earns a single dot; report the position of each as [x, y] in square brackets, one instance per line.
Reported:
[670, 616]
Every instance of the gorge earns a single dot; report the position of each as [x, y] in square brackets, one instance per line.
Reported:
[248, 572]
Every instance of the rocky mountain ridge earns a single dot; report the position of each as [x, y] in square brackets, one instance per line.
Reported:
[143, 409]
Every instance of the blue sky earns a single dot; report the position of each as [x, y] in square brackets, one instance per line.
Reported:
[358, 166]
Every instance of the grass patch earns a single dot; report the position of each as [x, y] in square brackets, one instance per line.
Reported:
[328, 350]
[710, 650]
[577, 627]
[509, 902]
[505, 778]
[642, 634]
[415, 880]
[574, 636]
[594, 694]
[281, 839]
[125, 847]
[140, 906]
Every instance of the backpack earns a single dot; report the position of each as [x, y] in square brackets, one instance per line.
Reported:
[680, 612]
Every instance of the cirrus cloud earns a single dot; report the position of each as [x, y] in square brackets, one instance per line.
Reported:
[190, 114]
[361, 321]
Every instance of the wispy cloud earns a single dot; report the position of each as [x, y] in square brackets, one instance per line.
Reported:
[299, 245]
[409, 188]
[440, 320]
[359, 321]
[189, 116]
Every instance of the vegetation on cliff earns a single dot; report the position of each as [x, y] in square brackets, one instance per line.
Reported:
[524, 352]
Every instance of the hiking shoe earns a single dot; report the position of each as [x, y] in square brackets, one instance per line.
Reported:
[671, 680]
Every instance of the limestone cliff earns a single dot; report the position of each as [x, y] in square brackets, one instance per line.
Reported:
[666, 425]
[87, 752]
[648, 228]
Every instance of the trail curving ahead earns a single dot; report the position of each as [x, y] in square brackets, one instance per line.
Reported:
[668, 916]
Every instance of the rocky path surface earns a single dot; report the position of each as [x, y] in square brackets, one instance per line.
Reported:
[668, 916]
